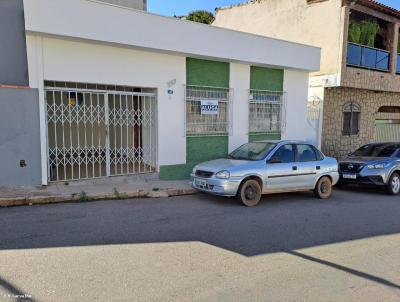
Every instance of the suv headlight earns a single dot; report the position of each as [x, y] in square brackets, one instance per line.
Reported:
[194, 170]
[378, 166]
[223, 175]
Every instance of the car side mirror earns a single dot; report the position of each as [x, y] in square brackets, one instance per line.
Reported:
[274, 160]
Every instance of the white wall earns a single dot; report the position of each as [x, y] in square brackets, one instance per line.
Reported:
[110, 24]
[240, 81]
[67, 60]
[296, 86]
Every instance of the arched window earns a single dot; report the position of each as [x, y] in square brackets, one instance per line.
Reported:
[351, 118]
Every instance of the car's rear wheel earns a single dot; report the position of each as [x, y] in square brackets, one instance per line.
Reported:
[393, 187]
[250, 193]
[323, 189]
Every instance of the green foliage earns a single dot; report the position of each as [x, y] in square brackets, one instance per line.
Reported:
[83, 197]
[201, 16]
[119, 195]
[355, 33]
[364, 32]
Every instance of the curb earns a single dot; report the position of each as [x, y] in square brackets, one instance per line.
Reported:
[76, 197]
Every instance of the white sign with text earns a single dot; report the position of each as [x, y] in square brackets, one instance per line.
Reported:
[209, 107]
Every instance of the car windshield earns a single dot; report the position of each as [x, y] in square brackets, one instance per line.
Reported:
[375, 150]
[252, 151]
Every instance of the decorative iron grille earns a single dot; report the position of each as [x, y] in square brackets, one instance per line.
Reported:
[219, 123]
[266, 111]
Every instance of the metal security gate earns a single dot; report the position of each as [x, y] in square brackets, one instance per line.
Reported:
[314, 120]
[387, 131]
[99, 133]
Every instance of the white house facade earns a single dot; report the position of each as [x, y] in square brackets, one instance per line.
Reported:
[125, 92]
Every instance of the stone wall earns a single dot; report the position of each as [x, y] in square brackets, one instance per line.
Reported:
[333, 142]
[370, 79]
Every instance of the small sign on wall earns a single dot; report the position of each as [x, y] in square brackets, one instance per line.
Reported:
[209, 107]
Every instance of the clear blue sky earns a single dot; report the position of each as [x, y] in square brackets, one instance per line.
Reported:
[182, 7]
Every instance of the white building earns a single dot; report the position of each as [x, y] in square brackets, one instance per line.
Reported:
[120, 91]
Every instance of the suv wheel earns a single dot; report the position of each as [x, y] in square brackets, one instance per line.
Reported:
[250, 193]
[323, 189]
[393, 187]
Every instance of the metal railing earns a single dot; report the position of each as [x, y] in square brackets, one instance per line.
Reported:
[367, 57]
[198, 122]
[266, 111]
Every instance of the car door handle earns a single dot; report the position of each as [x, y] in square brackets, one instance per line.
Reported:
[294, 168]
[318, 168]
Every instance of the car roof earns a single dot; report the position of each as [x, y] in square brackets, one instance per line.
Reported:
[383, 143]
[283, 142]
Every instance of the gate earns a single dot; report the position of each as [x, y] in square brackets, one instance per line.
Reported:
[314, 120]
[99, 133]
[387, 131]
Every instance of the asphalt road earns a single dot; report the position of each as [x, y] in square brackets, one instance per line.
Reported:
[292, 247]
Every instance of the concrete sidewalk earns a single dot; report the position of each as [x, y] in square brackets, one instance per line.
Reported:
[102, 189]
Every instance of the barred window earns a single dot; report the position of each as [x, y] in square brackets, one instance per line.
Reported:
[208, 110]
[351, 118]
[266, 110]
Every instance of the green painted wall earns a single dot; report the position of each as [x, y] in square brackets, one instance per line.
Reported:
[266, 79]
[198, 149]
[176, 172]
[205, 148]
[207, 73]
[201, 148]
[264, 136]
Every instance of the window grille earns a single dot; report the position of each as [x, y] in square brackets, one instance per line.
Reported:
[197, 122]
[266, 111]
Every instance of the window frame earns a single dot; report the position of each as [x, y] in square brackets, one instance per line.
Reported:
[312, 149]
[294, 148]
[354, 109]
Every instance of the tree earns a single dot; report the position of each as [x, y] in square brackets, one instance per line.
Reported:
[201, 16]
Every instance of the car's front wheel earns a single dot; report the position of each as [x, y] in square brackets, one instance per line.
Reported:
[393, 187]
[250, 193]
[323, 189]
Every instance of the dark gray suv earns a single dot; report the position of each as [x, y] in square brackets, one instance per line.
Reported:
[373, 164]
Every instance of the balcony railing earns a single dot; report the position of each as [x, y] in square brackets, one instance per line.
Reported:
[368, 57]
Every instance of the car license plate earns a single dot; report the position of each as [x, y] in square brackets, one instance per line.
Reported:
[200, 183]
[350, 176]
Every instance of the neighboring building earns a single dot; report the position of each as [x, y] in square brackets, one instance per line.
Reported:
[107, 99]
[359, 86]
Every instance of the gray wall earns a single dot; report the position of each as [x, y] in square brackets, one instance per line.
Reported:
[19, 137]
[13, 60]
[137, 4]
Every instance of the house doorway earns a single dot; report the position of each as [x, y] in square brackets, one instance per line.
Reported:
[98, 131]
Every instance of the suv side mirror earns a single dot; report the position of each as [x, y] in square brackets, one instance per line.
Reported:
[274, 160]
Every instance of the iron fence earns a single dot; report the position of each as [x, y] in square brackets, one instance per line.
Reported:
[213, 123]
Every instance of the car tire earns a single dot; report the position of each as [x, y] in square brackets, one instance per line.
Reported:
[323, 189]
[393, 186]
[250, 193]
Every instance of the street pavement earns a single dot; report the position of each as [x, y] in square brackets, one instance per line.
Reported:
[292, 247]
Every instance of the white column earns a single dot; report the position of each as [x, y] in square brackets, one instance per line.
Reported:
[296, 87]
[240, 82]
[36, 80]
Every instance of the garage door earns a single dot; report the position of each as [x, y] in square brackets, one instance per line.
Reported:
[97, 133]
[387, 131]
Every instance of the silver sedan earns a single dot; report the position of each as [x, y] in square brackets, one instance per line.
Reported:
[265, 167]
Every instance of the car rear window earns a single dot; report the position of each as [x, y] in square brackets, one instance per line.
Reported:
[376, 150]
